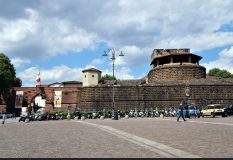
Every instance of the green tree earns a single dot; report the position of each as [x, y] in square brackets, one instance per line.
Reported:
[7, 75]
[224, 74]
[219, 73]
[108, 77]
[18, 82]
[213, 72]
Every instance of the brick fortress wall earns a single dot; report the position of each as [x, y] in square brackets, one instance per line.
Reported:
[160, 95]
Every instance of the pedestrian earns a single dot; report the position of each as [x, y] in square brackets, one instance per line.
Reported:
[195, 110]
[181, 112]
[186, 110]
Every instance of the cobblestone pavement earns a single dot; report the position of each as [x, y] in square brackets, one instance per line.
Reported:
[204, 137]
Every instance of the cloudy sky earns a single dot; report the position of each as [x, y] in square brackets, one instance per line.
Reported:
[61, 38]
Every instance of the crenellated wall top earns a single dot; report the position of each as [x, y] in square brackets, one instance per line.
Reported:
[163, 52]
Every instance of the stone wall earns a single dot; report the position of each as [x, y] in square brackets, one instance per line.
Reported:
[127, 97]
[177, 72]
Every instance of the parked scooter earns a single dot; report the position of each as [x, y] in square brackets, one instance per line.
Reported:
[94, 114]
[48, 117]
[170, 112]
[156, 113]
[174, 112]
[109, 114]
[90, 115]
[39, 118]
[140, 114]
[146, 112]
[100, 114]
[166, 112]
[104, 113]
[131, 113]
[22, 118]
[151, 112]
[135, 113]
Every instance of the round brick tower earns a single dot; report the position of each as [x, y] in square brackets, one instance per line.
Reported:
[175, 64]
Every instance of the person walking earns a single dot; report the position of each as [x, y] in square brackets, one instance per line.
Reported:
[186, 110]
[181, 112]
[195, 110]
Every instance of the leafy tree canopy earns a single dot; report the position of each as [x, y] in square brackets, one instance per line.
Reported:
[219, 73]
[108, 77]
[7, 75]
[18, 82]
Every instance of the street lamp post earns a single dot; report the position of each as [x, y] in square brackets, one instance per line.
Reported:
[113, 59]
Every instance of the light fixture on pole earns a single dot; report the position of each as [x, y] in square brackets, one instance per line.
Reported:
[113, 59]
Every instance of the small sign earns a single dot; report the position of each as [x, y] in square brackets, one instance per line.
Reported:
[32, 104]
[28, 106]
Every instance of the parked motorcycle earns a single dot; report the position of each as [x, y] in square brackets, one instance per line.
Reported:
[100, 114]
[79, 115]
[90, 115]
[109, 114]
[22, 118]
[53, 116]
[48, 117]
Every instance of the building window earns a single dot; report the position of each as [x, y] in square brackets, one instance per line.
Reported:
[85, 76]
[186, 50]
[92, 75]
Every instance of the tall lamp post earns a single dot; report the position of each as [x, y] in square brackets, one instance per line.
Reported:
[113, 59]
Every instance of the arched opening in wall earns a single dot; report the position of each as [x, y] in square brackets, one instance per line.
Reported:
[38, 102]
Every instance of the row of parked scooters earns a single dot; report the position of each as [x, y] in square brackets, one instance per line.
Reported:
[132, 113]
[93, 115]
[41, 117]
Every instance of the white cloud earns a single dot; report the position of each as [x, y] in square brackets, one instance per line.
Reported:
[52, 27]
[64, 73]
[226, 53]
[122, 73]
[225, 61]
[98, 61]
[18, 62]
[48, 76]
[90, 66]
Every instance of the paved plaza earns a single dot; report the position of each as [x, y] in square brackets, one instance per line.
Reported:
[125, 138]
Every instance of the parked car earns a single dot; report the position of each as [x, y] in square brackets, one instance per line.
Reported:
[228, 110]
[191, 112]
[8, 115]
[213, 110]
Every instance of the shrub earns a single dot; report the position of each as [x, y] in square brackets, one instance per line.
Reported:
[123, 113]
[86, 114]
[64, 115]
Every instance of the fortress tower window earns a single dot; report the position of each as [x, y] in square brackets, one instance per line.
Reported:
[85, 76]
[92, 75]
